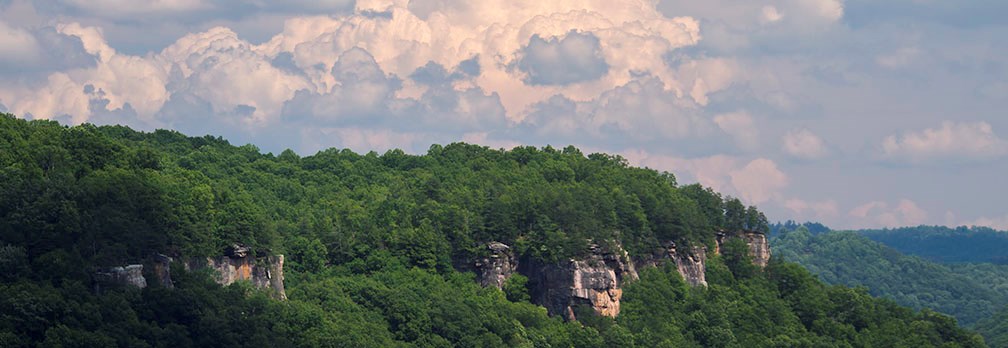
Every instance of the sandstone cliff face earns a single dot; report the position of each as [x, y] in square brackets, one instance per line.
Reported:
[691, 265]
[131, 275]
[597, 280]
[690, 262]
[594, 281]
[238, 265]
[495, 269]
[759, 248]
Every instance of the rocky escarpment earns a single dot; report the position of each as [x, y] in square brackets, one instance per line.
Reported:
[759, 248]
[161, 265]
[690, 262]
[595, 281]
[130, 275]
[237, 264]
[496, 268]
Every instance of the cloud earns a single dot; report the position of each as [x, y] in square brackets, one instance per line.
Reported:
[759, 181]
[953, 141]
[500, 34]
[998, 223]
[973, 14]
[746, 26]
[33, 54]
[709, 171]
[365, 96]
[576, 57]
[740, 126]
[504, 59]
[882, 214]
[818, 211]
[898, 58]
[124, 8]
[127, 11]
[20, 46]
[803, 144]
[639, 113]
[771, 14]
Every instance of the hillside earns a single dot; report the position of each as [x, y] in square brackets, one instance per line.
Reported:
[112, 237]
[945, 244]
[972, 293]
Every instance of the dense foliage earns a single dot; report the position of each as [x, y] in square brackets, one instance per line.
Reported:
[813, 227]
[995, 328]
[379, 249]
[945, 244]
[969, 292]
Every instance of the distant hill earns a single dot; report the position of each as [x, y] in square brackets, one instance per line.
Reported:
[973, 293]
[946, 245]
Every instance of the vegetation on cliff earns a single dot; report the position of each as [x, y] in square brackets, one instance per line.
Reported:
[380, 248]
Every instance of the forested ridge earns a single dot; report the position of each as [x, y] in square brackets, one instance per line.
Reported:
[974, 293]
[379, 247]
[946, 244]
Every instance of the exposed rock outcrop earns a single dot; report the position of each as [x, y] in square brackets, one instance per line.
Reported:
[496, 268]
[238, 264]
[597, 279]
[759, 248]
[131, 275]
[691, 264]
[162, 270]
[594, 281]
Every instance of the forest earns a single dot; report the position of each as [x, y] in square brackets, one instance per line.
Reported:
[974, 293]
[379, 249]
[946, 244]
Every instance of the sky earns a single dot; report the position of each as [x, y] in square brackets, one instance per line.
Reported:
[857, 113]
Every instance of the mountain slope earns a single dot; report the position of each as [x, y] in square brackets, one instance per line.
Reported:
[381, 250]
[969, 292]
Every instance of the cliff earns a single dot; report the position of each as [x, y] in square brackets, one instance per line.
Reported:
[236, 265]
[596, 280]
[691, 263]
[759, 247]
[496, 268]
[130, 275]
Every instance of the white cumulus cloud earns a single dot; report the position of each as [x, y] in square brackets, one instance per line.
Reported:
[755, 182]
[881, 214]
[504, 60]
[952, 141]
[759, 181]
